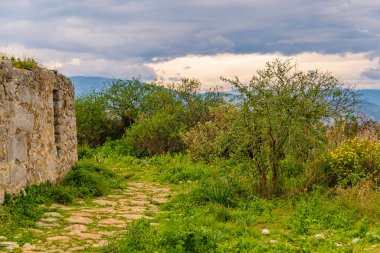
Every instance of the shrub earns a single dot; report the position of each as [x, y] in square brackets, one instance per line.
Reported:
[62, 194]
[355, 161]
[85, 152]
[26, 63]
[91, 180]
[219, 191]
[178, 168]
[284, 112]
[157, 134]
[361, 198]
[207, 139]
[182, 234]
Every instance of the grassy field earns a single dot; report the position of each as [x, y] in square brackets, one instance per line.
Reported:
[215, 211]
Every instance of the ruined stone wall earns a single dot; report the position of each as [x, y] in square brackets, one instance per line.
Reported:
[37, 127]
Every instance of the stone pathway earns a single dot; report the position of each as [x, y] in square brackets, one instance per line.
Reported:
[92, 223]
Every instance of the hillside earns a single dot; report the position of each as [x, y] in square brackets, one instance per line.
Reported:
[372, 96]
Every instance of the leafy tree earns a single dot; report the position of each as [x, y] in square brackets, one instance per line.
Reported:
[195, 103]
[143, 111]
[286, 113]
[166, 114]
[124, 99]
[211, 137]
[93, 124]
[159, 133]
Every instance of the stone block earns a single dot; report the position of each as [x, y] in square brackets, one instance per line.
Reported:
[21, 152]
[18, 175]
[24, 95]
[23, 119]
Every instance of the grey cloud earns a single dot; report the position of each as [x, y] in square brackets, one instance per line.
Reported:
[148, 29]
[373, 74]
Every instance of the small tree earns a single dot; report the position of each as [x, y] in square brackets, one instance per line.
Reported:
[93, 124]
[125, 98]
[286, 113]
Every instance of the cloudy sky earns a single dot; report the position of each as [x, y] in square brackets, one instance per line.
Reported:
[206, 39]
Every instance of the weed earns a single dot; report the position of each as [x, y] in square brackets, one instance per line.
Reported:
[26, 63]
[91, 180]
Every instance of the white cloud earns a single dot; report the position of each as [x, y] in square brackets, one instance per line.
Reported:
[348, 67]
[120, 38]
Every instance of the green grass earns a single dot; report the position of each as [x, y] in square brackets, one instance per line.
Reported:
[215, 210]
[86, 180]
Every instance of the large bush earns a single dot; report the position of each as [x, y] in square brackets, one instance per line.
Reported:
[280, 124]
[207, 139]
[94, 126]
[354, 161]
[157, 134]
[141, 109]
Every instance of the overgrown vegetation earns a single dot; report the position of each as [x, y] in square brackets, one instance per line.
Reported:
[289, 167]
[286, 167]
[84, 181]
[215, 210]
[134, 110]
[20, 63]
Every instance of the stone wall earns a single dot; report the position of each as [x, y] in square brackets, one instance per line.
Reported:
[37, 127]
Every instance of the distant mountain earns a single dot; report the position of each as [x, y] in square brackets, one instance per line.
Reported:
[371, 103]
[372, 96]
[372, 110]
[85, 84]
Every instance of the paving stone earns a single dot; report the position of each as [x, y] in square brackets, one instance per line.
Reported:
[47, 225]
[132, 216]
[49, 219]
[89, 226]
[105, 202]
[58, 238]
[112, 222]
[52, 214]
[78, 248]
[10, 246]
[79, 219]
[76, 227]
[86, 236]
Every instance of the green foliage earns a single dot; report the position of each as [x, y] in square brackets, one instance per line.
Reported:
[354, 162]
[85, 152]
[125, 99]
[178, 169]
[214, 213]
[217, 191]
[261, 164]
[157, 134]
[90, 180]
[84, 181]
[285, 114]
[152, 116]
[182, 234]
[94, 126]
[208, 138]
[26, 63]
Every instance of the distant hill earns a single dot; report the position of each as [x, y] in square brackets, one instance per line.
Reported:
[85, 84]
[372, 96]
[371, 104]
[372, 110]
